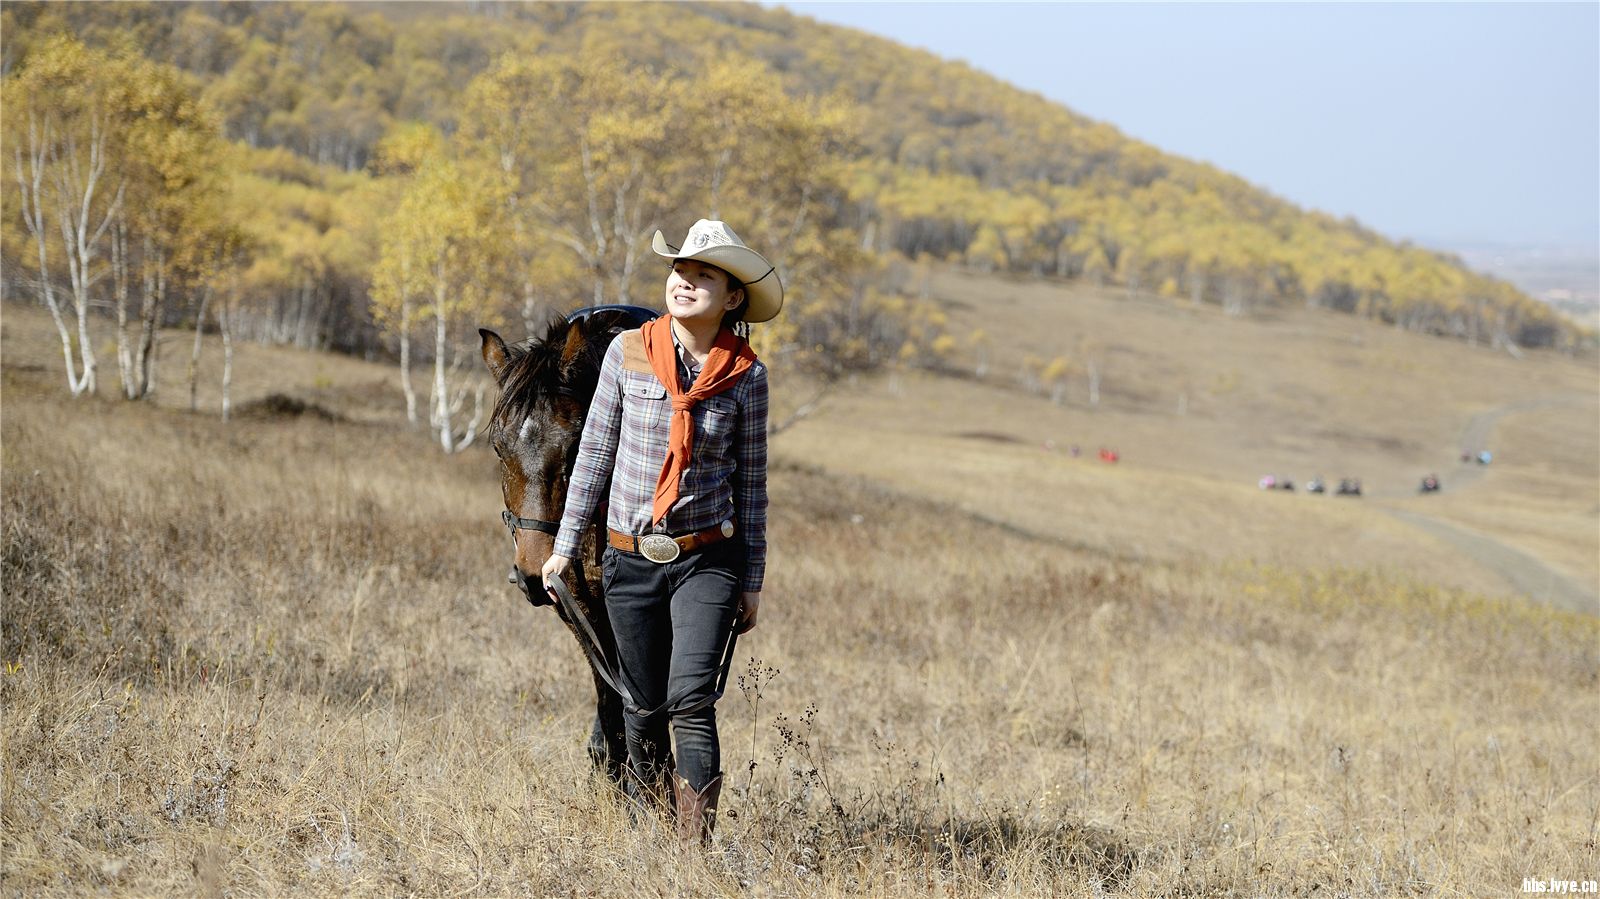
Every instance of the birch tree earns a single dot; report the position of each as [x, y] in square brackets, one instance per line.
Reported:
[175, 212]
[218, 279]
[590, 154]
[775, 165]
[66, 114]
[397, 280]
[445, 250]
[112, 155]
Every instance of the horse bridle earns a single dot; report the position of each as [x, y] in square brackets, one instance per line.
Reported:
[514, 524]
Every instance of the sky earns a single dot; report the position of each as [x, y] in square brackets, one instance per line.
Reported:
[1449, 124]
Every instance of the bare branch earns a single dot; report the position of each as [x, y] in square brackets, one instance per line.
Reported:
[800, 413]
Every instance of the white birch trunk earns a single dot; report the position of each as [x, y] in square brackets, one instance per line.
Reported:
[31, 183]
[75, 192]
[470, 432]
[301, 337]
[405, 362]
[441, 397]
[225, 319]
[530, 306]
[155, 286]
[596, 228]
[194, 355]
[119, 275]
[447, 403]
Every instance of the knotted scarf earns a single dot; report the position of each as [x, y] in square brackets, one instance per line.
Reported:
[729, 359]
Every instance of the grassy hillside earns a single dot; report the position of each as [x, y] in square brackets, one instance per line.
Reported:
[872, 145]
[278, 656]
[1200, 408]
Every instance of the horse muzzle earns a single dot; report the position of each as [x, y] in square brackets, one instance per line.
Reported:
[532, 589]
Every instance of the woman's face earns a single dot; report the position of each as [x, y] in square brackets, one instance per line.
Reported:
[698, 292]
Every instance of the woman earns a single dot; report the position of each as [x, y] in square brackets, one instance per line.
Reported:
[678, 427]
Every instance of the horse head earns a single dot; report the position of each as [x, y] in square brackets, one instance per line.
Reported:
[546, 386]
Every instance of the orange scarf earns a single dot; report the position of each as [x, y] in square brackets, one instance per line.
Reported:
[729, 359]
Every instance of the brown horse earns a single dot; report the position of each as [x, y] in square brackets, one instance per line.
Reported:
[545, 390]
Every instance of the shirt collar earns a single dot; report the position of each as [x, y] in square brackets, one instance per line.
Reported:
[685, 359]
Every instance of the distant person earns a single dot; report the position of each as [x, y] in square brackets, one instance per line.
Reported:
[678, 428]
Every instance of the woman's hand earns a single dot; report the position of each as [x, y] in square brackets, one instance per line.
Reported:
[749, 604]
[554, 569]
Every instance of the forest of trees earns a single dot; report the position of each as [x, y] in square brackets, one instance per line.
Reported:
[382, 178]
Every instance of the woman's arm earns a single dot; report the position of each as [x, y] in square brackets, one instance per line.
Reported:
[597, 453]
[750, 477]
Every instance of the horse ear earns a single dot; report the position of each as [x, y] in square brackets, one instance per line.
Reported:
[602, 328]
[576, 338]
[494, 354]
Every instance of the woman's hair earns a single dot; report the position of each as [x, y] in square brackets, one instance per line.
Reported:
[735, 315]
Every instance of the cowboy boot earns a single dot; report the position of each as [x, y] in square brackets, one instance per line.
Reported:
[697, 810]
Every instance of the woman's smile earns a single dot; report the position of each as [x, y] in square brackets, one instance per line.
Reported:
[696, 290]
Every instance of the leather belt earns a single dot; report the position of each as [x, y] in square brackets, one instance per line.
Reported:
[661, 548]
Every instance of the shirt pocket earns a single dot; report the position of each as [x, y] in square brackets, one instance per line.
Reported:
[644, 403]
[714, 425]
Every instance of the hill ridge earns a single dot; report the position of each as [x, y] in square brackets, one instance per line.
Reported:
[947, 160]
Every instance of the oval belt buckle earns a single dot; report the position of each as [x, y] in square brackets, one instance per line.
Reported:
[659, 548]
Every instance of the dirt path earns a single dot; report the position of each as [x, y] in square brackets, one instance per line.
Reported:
[1523, 572]
[1475, 436]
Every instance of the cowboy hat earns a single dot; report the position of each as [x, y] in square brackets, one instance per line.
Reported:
[715, 243]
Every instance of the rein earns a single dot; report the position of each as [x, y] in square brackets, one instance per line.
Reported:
[611, 671]
[615, 678]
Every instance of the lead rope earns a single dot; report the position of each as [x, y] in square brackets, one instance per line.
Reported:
[614, 676]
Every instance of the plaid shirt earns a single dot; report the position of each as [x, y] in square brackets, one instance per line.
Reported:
[625, 440]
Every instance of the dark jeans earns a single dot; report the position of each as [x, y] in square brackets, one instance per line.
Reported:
[672, 623]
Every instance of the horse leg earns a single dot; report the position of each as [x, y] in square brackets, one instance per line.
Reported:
[608, 740]
[608, 743]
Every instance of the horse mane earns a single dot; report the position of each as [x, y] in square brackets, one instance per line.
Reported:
[537, 368]
[532, 369]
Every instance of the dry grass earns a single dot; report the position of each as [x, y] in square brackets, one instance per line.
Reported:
[278, 657]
